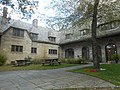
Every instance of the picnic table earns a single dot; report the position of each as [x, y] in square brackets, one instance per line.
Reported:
[51, 62]
[21, 62]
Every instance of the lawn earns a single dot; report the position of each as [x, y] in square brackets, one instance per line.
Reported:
[111, 74]
[33, 67]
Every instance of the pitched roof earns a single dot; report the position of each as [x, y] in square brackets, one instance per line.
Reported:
[43, 33]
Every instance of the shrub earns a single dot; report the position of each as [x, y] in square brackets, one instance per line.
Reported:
[72, 61]
[115, 57]
[2, 59]
[37, 61]
[28, 58]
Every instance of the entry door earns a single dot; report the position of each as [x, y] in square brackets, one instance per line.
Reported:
[110, 50]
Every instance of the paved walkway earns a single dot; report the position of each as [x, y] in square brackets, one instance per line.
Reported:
[48, 79]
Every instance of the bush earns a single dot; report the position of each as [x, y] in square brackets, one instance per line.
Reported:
[37, 61]
[115, 57]
[2, 59]
[72, 61]
[28, 58]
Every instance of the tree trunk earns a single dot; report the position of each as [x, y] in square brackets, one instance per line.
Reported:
[94, 41]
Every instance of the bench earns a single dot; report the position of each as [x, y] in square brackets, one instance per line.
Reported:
[51, 62]
[21, 62]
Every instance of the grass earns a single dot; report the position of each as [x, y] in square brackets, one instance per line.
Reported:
[94, 88]
[111, 74]
[33, 67]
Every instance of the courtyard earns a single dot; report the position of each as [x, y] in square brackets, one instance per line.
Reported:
[49, 79]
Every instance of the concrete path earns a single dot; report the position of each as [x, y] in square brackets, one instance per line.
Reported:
[48, 79]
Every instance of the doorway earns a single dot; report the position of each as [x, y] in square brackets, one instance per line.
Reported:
[69, 53]
[110, 49]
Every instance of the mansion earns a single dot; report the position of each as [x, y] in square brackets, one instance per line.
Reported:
[19, 40]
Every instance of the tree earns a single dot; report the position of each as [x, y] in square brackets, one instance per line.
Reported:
[24, 7]
[91, 13]
[64, 13]
[100, 12]
[94, 41]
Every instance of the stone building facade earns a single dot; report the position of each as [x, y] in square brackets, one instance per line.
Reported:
[76, 42]
[19, 40]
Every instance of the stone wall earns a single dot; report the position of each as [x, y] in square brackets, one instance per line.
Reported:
[8, 39]
[77, 49]
[43, 50]
[102, 42]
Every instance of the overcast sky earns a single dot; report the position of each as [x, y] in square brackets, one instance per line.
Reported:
[40, 12]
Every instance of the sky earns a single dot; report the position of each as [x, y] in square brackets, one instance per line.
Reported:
[62, 9]
[40, 12]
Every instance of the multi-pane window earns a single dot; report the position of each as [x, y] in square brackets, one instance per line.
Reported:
[85, 53]
[84, 32]
[108, 26]
[114, 25]
[34, 36]
[16, 48]
[53, 39]
[33, 50]
[52, 51]
[68, 36]
[18, 32]
[69, 53]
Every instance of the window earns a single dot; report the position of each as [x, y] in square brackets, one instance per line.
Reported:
[53, 39]
[34, 36]
[68, 36]
[84, 32]
[114, 25]
[18, 32]
[52, 51]
[33, 50]
[108, 26]
[69, 53]
[16, 48]
[85, 53]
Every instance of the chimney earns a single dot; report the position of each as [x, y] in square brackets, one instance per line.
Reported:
[5, 12]
[35, 22]
[4, 17]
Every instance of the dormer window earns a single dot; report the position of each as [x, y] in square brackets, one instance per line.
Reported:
[68, 36]
[34, 36]
[18, 32]
[53, 39]
[108, 26]
[84, 32]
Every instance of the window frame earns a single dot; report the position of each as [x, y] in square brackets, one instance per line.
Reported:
[52, 39]
[85, 53]
[34, 50]
[34, 36]
[52, 51]
[16, 48]
[84, 32]
[68, 36]
[18, 32]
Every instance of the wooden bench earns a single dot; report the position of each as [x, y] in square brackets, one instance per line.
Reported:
[51, 62]
[21, 62]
